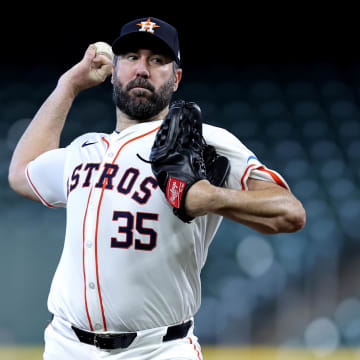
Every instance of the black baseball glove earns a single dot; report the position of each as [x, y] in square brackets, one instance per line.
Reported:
[180, 156]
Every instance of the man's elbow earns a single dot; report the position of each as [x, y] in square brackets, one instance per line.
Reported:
[289, 221]
[14, 180]
[18, 182]
[294, 219]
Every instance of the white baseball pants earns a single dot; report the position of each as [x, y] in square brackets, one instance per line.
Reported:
[61, 343]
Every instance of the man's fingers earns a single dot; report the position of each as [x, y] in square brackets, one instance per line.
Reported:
[90, 52]
[100, 60]
[99, 74]
[106, 70]
[102, 64]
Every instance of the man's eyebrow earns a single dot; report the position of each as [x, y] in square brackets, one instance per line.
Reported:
[153, 53]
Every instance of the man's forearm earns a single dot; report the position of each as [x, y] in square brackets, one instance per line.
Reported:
[44, 131]
[269, 210]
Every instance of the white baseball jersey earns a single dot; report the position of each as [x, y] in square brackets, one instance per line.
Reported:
[128, 263]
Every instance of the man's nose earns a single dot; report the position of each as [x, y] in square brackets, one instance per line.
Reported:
[142, 68]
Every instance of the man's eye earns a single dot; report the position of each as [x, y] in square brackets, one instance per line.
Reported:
[157, 60]
[131, 57]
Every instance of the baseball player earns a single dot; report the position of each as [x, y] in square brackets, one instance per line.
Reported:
[128, 282]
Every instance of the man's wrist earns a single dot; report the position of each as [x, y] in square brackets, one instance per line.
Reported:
[201, 199]
[67, 86]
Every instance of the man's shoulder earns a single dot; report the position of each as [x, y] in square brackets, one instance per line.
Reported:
[216, 133]
[224, 140]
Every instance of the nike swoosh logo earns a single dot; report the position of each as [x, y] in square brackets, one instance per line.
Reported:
[86, 143]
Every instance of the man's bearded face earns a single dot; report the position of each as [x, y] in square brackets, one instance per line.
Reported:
[140, 100]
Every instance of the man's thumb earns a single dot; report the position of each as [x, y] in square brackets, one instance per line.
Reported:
[90, 53]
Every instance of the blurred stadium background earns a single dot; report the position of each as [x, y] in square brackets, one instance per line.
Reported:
[262, 295]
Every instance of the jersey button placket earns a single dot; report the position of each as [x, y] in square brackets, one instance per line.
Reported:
[98, 327]
[90, 248]
[89, 257]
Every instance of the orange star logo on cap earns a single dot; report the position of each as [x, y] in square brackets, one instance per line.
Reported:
[148, 26]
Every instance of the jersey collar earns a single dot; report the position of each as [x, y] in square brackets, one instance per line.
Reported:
[136, 128]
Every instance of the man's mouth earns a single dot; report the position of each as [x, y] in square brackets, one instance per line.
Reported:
[140, 91]
[140, 85]
[140, 88]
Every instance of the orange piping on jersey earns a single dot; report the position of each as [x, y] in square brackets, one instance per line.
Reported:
[129, 141]
[274, 176]
[83, 232]
[96, 256]
[37, 192]
[105, 141]
[97, 222]
[243, 177]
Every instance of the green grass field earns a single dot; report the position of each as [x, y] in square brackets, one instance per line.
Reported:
[215, 353]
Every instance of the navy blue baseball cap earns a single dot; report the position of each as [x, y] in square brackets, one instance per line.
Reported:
[149, 32]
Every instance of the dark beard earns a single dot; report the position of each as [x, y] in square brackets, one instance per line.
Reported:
[142, 106]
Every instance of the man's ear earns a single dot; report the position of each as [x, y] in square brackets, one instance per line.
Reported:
[113, 74]
[114, 64]
[177, 78]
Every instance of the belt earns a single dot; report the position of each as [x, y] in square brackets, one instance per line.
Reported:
[115, 341]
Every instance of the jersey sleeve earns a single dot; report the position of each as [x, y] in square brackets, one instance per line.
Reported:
[45, 176]
[244, 163]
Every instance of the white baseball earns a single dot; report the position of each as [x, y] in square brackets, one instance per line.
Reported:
[103, 48]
